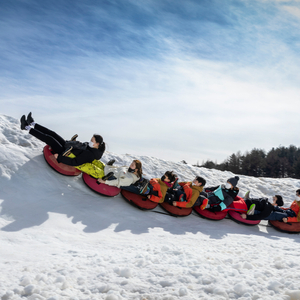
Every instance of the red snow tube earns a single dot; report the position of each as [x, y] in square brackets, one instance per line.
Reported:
[208, 214]
[175, 210]
[102, 188]
[136, 200]
[238, 205]
[236, 216]
[59, 167]
[293, 227]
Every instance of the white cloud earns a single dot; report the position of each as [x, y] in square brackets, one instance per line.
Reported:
[293, 10]
[176, 109]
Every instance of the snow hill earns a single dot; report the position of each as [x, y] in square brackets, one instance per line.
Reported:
[60, 240]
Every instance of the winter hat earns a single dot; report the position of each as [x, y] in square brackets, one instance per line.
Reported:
[234, 180]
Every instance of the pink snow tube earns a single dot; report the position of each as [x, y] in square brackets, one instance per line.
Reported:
[137, 200]
[208, 214]
[236, 216]
[102, 188]
[176, 211]
[59, 167]
[286, 227]
[238, 205]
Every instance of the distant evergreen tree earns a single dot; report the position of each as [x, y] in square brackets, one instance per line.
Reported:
[278, 163]
[209, 164]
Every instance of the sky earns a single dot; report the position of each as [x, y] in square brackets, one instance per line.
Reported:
[179, 80]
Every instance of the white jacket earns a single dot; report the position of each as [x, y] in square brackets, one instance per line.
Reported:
[124, 178]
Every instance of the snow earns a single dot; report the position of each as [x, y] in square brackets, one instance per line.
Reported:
[60, 240]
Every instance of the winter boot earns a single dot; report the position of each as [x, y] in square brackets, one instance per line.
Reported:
[74, 137]
[29, 119]
[67, 151]
[111, 162]
[247, 195]
[251, 210]
[23, 122]
[143, 186]
[108, 175]
[204, 204]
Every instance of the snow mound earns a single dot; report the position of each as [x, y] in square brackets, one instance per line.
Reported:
[15, 146]
[59, 240]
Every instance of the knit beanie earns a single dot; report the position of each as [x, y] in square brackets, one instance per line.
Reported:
[234, 180]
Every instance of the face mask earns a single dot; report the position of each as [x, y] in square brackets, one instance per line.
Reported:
[228, 185]
[91, 144]
[131, 170]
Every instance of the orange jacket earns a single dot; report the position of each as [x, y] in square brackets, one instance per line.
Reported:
[192, 193]
[161, 187]
[295, 206]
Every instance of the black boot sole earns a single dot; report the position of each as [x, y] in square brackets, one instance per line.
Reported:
[111, 162]
[29, 119]
[23, 122]
[74, 137]
[67, 151]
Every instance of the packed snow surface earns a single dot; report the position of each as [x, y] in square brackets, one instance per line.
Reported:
[60, 240]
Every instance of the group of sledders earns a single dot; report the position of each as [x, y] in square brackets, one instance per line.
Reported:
[86, 157]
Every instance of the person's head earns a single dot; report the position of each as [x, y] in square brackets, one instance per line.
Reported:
[277, 200]
[97, 141]
[199, 181]
[136, 168]
[169, 176]
[298, 195]
[232, 182]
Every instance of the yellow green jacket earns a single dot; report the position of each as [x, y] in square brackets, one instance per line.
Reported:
[95, 168]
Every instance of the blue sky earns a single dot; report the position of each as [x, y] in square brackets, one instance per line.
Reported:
[191, 80]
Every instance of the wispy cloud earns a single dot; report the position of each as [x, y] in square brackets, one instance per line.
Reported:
[183, 81]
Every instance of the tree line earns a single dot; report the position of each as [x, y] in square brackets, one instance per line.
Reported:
[279, 162]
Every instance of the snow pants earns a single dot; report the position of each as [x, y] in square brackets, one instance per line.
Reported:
[51, 138]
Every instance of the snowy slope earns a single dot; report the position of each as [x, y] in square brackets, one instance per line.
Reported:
[59, 240]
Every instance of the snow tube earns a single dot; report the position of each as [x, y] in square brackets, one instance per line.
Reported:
[136, 200]
[208, 214]
[102, 188]
[175, 210]
[59, 167]
[238, 205]
[293, 227]
[236, 216]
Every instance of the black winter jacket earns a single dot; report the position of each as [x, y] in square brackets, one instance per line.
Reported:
[83, 152]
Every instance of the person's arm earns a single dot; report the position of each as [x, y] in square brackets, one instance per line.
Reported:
[156, 188]
[188, 194]
[279, 209]
[211, 188]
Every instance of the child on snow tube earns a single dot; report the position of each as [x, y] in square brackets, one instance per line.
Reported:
[82, 152]
[262, 208]
[220, 197]
[116, 176]
[287, 215]
[157, 188]
[186, 194]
